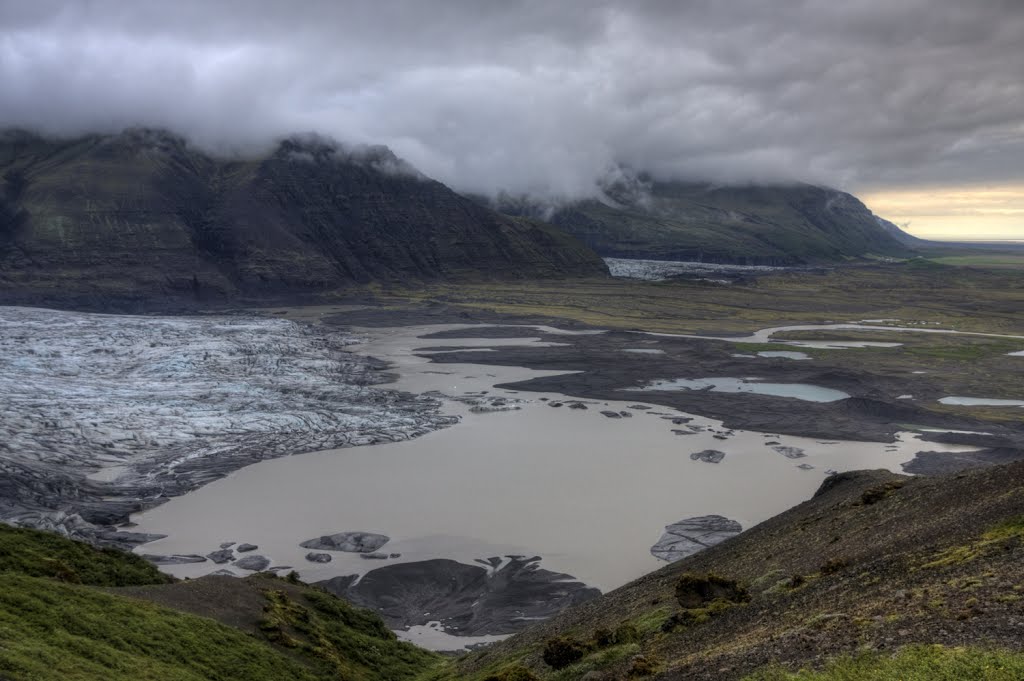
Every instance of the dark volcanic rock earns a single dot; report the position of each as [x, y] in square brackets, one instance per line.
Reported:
[176, 559]
[222, 556]
[314, 557]
[243, 548]
[612, 414]
[376, 555]
[471, 600]
[255, 563]
[708, 456]
[353, 542]
[691, 535]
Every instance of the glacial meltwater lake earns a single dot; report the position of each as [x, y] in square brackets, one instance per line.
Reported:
[587, 493]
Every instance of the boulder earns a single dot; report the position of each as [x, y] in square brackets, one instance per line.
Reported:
[222, 556]
[708, 456]
[255, 562]
[314, 557]
[353, 542]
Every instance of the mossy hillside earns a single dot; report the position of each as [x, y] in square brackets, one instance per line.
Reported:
[72, 611]
[341, 641]
[50, 630]
[913, 663]
[44, 554]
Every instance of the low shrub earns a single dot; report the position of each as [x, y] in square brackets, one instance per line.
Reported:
[832, 566]
[696, 591]
[563, 651]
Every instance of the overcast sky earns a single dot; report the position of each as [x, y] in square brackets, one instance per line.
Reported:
[871, 96]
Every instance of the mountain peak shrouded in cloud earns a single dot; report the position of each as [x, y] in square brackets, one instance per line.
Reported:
[541, 98]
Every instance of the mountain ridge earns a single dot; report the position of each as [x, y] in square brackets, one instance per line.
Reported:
[637, 216]
[142, 216]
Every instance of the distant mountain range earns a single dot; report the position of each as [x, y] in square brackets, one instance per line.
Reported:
[640, 217]
[142, 216]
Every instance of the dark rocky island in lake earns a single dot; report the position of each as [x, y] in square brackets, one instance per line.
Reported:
[502, 596]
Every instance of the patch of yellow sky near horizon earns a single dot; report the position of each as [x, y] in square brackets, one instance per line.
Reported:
[989, 212]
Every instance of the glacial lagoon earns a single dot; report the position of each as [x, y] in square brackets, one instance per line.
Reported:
[525, 479]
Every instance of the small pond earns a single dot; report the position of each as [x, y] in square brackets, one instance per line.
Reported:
[800, 391]
[980, 402]
[784, 354]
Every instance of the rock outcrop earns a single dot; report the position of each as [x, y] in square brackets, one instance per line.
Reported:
[501, 596]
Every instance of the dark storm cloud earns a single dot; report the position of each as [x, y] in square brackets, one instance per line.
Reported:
[522, 95]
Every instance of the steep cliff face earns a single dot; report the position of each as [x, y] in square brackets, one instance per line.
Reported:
[757, 225]
[141, 216]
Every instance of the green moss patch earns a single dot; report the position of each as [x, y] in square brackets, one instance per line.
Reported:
[50, 630]
[44, 554]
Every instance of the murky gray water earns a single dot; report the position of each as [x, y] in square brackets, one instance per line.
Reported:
[784, 354]
[726, 384]
[765, 335]
[981, 402]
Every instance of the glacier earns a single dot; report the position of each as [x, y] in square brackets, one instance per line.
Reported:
[105, 415]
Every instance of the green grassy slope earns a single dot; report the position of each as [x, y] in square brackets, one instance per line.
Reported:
[43, 554]
[72, 612]
[55, 631]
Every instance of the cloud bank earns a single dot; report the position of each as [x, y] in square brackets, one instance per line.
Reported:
[531, 95]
